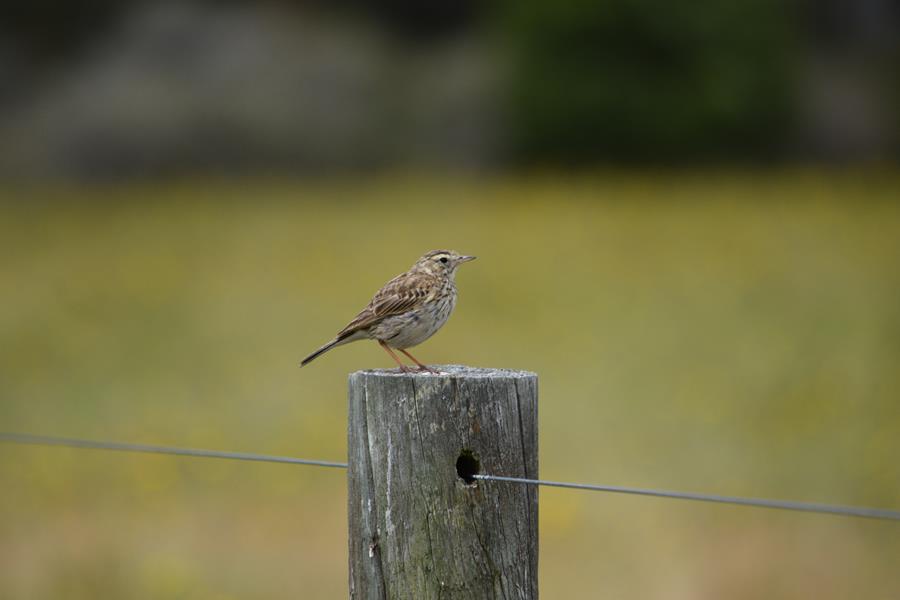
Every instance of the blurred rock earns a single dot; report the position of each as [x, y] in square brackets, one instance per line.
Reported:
[182, 88]
[845, 116]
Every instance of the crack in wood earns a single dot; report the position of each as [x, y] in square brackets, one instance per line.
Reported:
[428, 509]
[526, 498]
[374, 547]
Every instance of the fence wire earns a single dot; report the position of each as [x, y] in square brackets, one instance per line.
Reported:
[811, 507]
[47, 440]
[833, 509]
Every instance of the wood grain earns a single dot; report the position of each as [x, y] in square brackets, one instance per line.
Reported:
[417, 530]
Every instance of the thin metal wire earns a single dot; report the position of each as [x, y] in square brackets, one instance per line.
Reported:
[46, 440]
[848, 511]
[852, 511]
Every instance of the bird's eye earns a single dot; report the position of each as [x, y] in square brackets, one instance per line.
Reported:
[444, 259]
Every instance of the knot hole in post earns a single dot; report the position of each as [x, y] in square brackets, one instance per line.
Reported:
[467, 466]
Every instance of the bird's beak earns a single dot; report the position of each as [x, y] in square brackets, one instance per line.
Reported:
[463, 259]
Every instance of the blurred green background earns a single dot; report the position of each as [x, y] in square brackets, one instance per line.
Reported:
[687, 218]
[736, 333]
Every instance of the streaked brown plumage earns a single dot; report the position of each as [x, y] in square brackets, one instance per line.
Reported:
[408, 310]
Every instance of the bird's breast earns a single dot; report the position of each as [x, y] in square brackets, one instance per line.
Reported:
[415, 326]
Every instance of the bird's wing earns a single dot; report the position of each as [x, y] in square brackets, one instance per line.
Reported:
[399, 295]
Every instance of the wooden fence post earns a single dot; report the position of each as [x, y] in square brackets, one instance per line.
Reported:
[418, 530]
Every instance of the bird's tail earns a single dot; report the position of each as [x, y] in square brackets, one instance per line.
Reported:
[322, 350]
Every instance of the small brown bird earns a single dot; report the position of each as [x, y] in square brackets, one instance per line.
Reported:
[408, 310]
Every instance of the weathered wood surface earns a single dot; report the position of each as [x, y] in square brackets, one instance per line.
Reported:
[417, 530]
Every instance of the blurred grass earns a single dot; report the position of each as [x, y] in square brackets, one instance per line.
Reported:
[735, 333]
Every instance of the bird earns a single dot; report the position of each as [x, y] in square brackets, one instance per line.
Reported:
[408, 310]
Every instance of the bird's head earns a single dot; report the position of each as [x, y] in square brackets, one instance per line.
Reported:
[441, 262]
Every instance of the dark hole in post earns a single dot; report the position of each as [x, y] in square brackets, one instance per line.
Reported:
[467, 466]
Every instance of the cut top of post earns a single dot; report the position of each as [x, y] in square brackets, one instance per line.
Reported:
[452, 371]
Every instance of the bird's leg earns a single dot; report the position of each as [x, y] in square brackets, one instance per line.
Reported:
[387, 349]
[421, 366]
